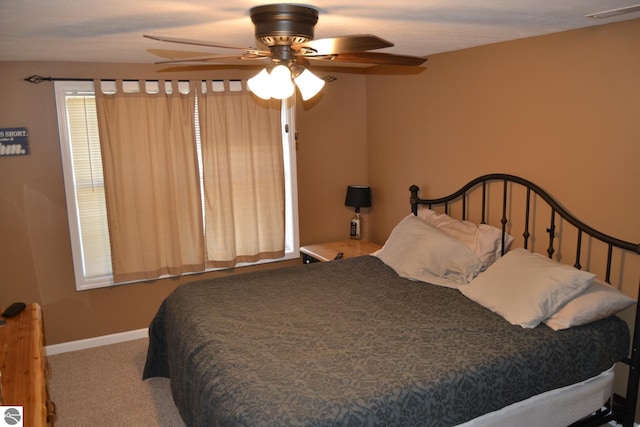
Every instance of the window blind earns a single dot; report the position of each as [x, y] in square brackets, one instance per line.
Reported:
[89, 183]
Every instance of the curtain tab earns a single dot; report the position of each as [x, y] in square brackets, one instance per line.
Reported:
[97, 86]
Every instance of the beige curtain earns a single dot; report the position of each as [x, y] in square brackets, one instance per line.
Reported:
[243, 176]
[151, 182]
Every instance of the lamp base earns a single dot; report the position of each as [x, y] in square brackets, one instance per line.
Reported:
[355, 228]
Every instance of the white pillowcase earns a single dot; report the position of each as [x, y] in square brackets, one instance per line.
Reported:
[526, 288]
[419, 251]
[483, 239]
[598, 301]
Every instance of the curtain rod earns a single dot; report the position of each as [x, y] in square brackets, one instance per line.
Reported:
[39, 79]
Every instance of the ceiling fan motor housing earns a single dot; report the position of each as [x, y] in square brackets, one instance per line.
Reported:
[283, 24]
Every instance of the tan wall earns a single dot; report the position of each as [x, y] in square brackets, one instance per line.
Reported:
[560, 110]
[35, 253]
[332, 149]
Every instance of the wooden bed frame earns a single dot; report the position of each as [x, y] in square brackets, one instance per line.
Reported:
[619, 409]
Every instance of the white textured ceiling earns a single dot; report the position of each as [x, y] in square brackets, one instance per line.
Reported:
[111, 30]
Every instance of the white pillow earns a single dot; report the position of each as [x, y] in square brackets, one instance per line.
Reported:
[419, 251]
[598, 301]
[483, 239]
[526, 288]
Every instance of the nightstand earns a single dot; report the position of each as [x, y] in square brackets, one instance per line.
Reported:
[328, 251]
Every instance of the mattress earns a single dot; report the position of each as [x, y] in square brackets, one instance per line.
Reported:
[351, 343]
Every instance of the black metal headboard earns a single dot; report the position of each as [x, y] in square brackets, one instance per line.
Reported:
[623, 410]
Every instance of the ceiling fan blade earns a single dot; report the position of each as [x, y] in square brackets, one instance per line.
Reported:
[194, 42]
[375, 58]
[177, 54]
[342, 44]
[210, 58]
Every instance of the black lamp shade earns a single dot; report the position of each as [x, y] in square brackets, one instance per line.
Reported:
[358, 196]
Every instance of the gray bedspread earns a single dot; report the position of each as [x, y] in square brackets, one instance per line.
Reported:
[350, 343]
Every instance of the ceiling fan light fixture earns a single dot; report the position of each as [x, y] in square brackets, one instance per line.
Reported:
[260, 84]
[281, 83]
[308, 84]
[278, 82]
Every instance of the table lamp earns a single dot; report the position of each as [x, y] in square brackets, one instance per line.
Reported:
[358, 196]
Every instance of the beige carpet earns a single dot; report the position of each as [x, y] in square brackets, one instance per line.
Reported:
[103, 386]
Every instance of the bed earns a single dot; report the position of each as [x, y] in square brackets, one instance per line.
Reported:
[359, 342]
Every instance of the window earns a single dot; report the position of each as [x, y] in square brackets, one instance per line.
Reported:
[84, 184]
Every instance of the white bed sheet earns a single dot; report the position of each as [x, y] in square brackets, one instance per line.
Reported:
[554, 408]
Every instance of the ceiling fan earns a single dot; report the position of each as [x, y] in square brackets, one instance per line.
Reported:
[286, 32]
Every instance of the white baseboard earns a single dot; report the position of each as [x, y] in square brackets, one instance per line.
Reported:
[95, 342]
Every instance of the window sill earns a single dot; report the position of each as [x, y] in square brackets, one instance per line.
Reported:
[107, 281]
